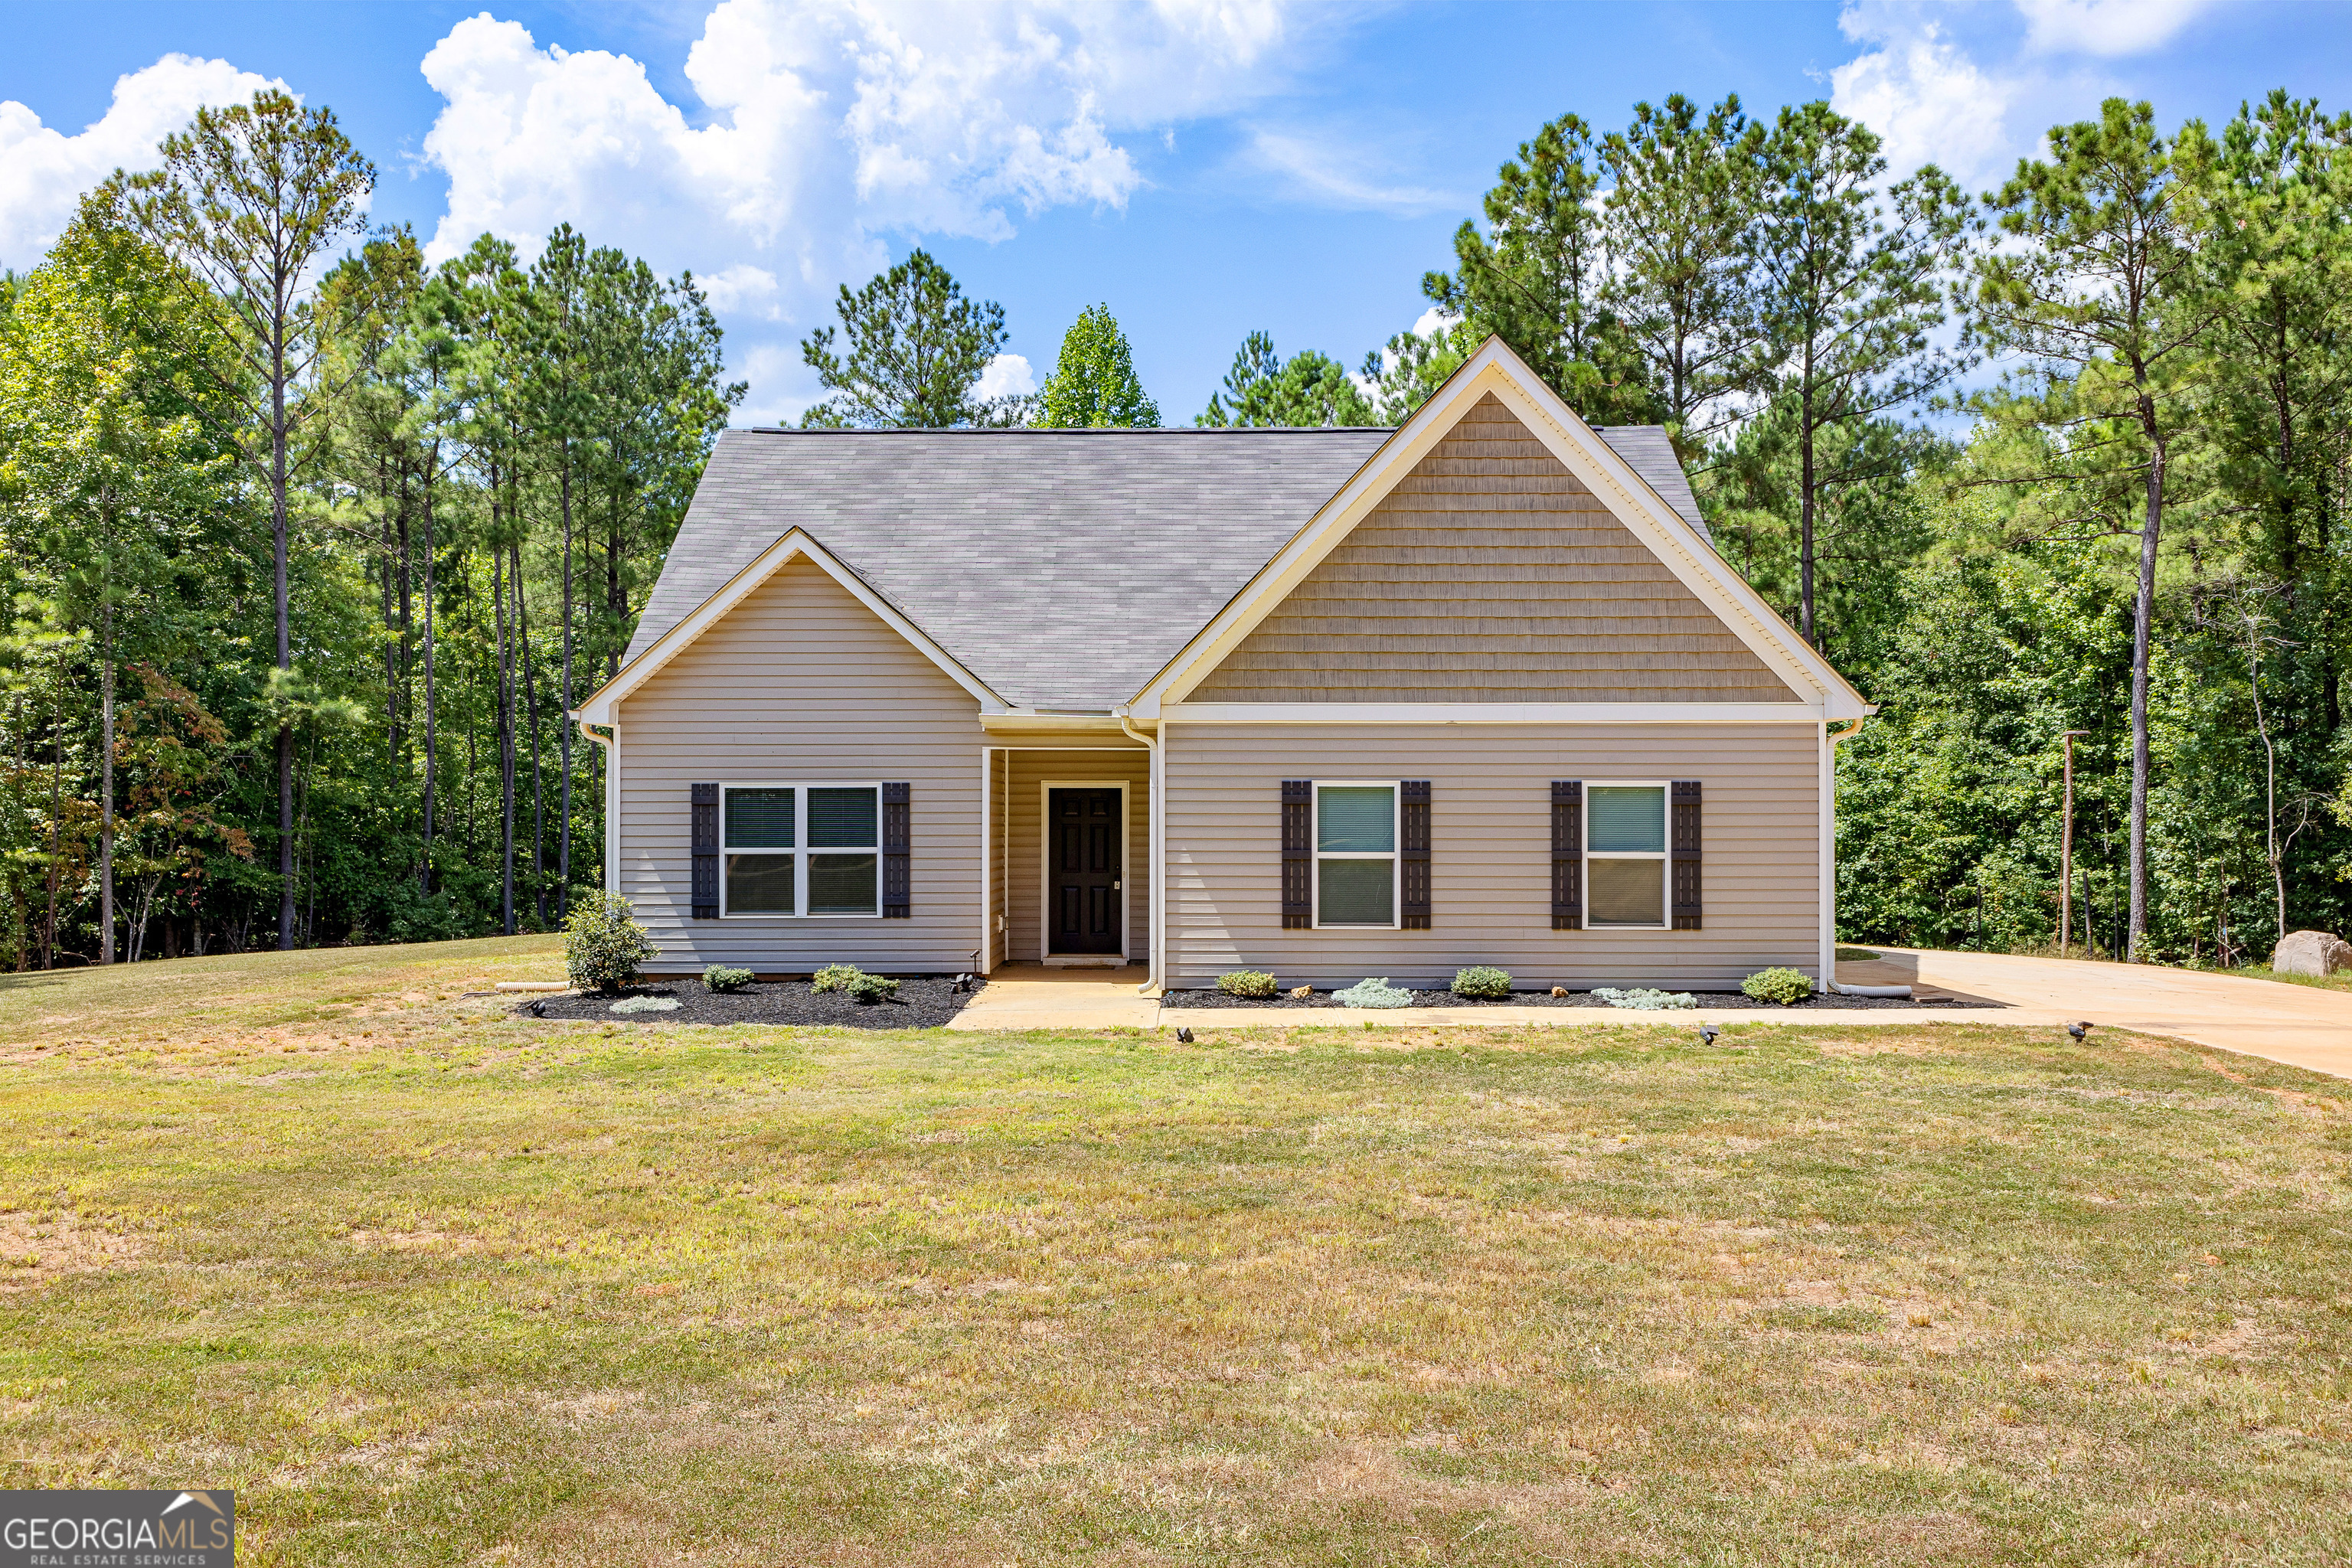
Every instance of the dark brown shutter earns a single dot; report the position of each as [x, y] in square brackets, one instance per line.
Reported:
[897, 836]
[1298, 854]
[1685, 845]
[1415, 847]
[1567, 854]
[704, 814]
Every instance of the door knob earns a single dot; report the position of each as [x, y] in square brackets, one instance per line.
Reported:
[1114, 886]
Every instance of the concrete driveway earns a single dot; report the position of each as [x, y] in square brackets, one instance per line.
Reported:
[2303, 1026]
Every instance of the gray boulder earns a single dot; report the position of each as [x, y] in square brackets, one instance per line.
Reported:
[2312, 953]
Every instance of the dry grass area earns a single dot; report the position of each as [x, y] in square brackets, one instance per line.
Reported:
[427, 1285]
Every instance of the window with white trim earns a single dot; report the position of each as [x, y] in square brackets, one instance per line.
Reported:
[796, 849]
[1625, 856]
[1356, 854]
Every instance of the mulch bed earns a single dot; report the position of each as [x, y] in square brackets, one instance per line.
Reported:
[1724, 1000]
[923, 1003]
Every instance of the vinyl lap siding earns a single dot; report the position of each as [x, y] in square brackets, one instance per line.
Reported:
[802, 684]
[1491, 574]
[1025, 848]
[1491, 851]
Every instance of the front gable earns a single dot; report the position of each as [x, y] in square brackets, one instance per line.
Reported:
[1497, 557]
[1491, 574]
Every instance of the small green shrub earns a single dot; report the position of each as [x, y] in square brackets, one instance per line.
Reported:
[1372, 994]
[719, 977]
[1782, 986]
[1254, 984]
[1644, 999]
[1482, 982]
[872, 988]
[604, 948]
[836, 977]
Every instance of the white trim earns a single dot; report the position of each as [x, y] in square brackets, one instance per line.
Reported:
[1045, 788]
[1492, 367]
[611, 745]
[987, 789]
[1013, 719]
[602, 707]
[801, 851]
[1492, 713]
[1828, 830]
[1666, 844]
[1395, 856]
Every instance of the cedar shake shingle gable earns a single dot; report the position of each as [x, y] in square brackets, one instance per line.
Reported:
[1064, 568]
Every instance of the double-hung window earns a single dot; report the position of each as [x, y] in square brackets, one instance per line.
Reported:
[1625, 856]
[801, 849]
[1356, 854]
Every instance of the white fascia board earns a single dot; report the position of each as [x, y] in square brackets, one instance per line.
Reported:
[1009, 721]
[1495, 368]
[1491, 713]
[602, 708]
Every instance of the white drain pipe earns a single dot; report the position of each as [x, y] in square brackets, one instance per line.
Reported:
[1155, 857]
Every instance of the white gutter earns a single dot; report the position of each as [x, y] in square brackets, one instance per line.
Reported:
[1831, 736]
[1157, 856]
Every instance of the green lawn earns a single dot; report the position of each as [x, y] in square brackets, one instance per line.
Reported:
[425, 1285]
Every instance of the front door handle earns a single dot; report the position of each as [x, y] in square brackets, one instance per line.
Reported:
[1114, 886]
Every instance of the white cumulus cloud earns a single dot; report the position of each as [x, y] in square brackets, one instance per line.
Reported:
[44, 172]
[1928, 101]
[2107, 27]
[1007, 375]
[823, 127]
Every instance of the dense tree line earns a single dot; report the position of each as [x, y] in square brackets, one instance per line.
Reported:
[307, 557]
[309, 546]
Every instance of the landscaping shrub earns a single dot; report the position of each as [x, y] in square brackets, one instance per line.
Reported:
[1647, 999]
[871, 988]
[1482, 982]
[604, 948]
[1254, 984]
[719, 977]
[1781, 985]
[836, 977]
[1372, 994]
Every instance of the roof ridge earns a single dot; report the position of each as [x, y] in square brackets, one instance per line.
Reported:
[1060, 430]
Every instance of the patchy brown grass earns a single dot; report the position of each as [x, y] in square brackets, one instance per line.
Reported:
[425, 1284]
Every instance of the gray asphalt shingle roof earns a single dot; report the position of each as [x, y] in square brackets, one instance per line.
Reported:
[1062, 567]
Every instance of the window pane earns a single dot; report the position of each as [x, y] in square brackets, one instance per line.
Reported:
[1625, 892]
[758, 819]
[758, 884]
[843, 818]
[1628, 819]
[842, 884]
[1358, 893]
[1357, 818]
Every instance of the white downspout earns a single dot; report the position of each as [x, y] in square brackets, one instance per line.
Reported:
[1157, 857]
[1831, 736]
[612, 744]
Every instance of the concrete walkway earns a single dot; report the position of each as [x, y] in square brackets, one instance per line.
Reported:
[1032, 996]
[2301, 1026]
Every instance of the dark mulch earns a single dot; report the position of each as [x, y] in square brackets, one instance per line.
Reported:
[924, 1002]
[1725, 1000]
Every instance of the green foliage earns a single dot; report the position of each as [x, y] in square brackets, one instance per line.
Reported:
[1780, 986]
[836, 977]
[604, 948]
[1373, 993]
[1094, 381]
[872, 988]
[1482, 982]
[1254, 984]
[914, 352]
[1307, 389]
[719, 977]
[1645, 998]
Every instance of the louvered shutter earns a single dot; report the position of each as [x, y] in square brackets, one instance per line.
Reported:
[898, 837]
[1414, 847]
[1298, 854]
[1684, 847]
[1567, 854]
[703, 814]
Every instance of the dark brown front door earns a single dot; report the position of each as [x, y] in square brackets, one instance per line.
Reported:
[1082, 878]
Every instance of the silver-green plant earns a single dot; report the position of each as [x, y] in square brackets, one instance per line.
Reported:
[1647, 999]
[1372, 994]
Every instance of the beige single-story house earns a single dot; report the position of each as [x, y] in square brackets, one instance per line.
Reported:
[1328, 702]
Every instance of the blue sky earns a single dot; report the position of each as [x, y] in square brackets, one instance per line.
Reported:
[1207, 167]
